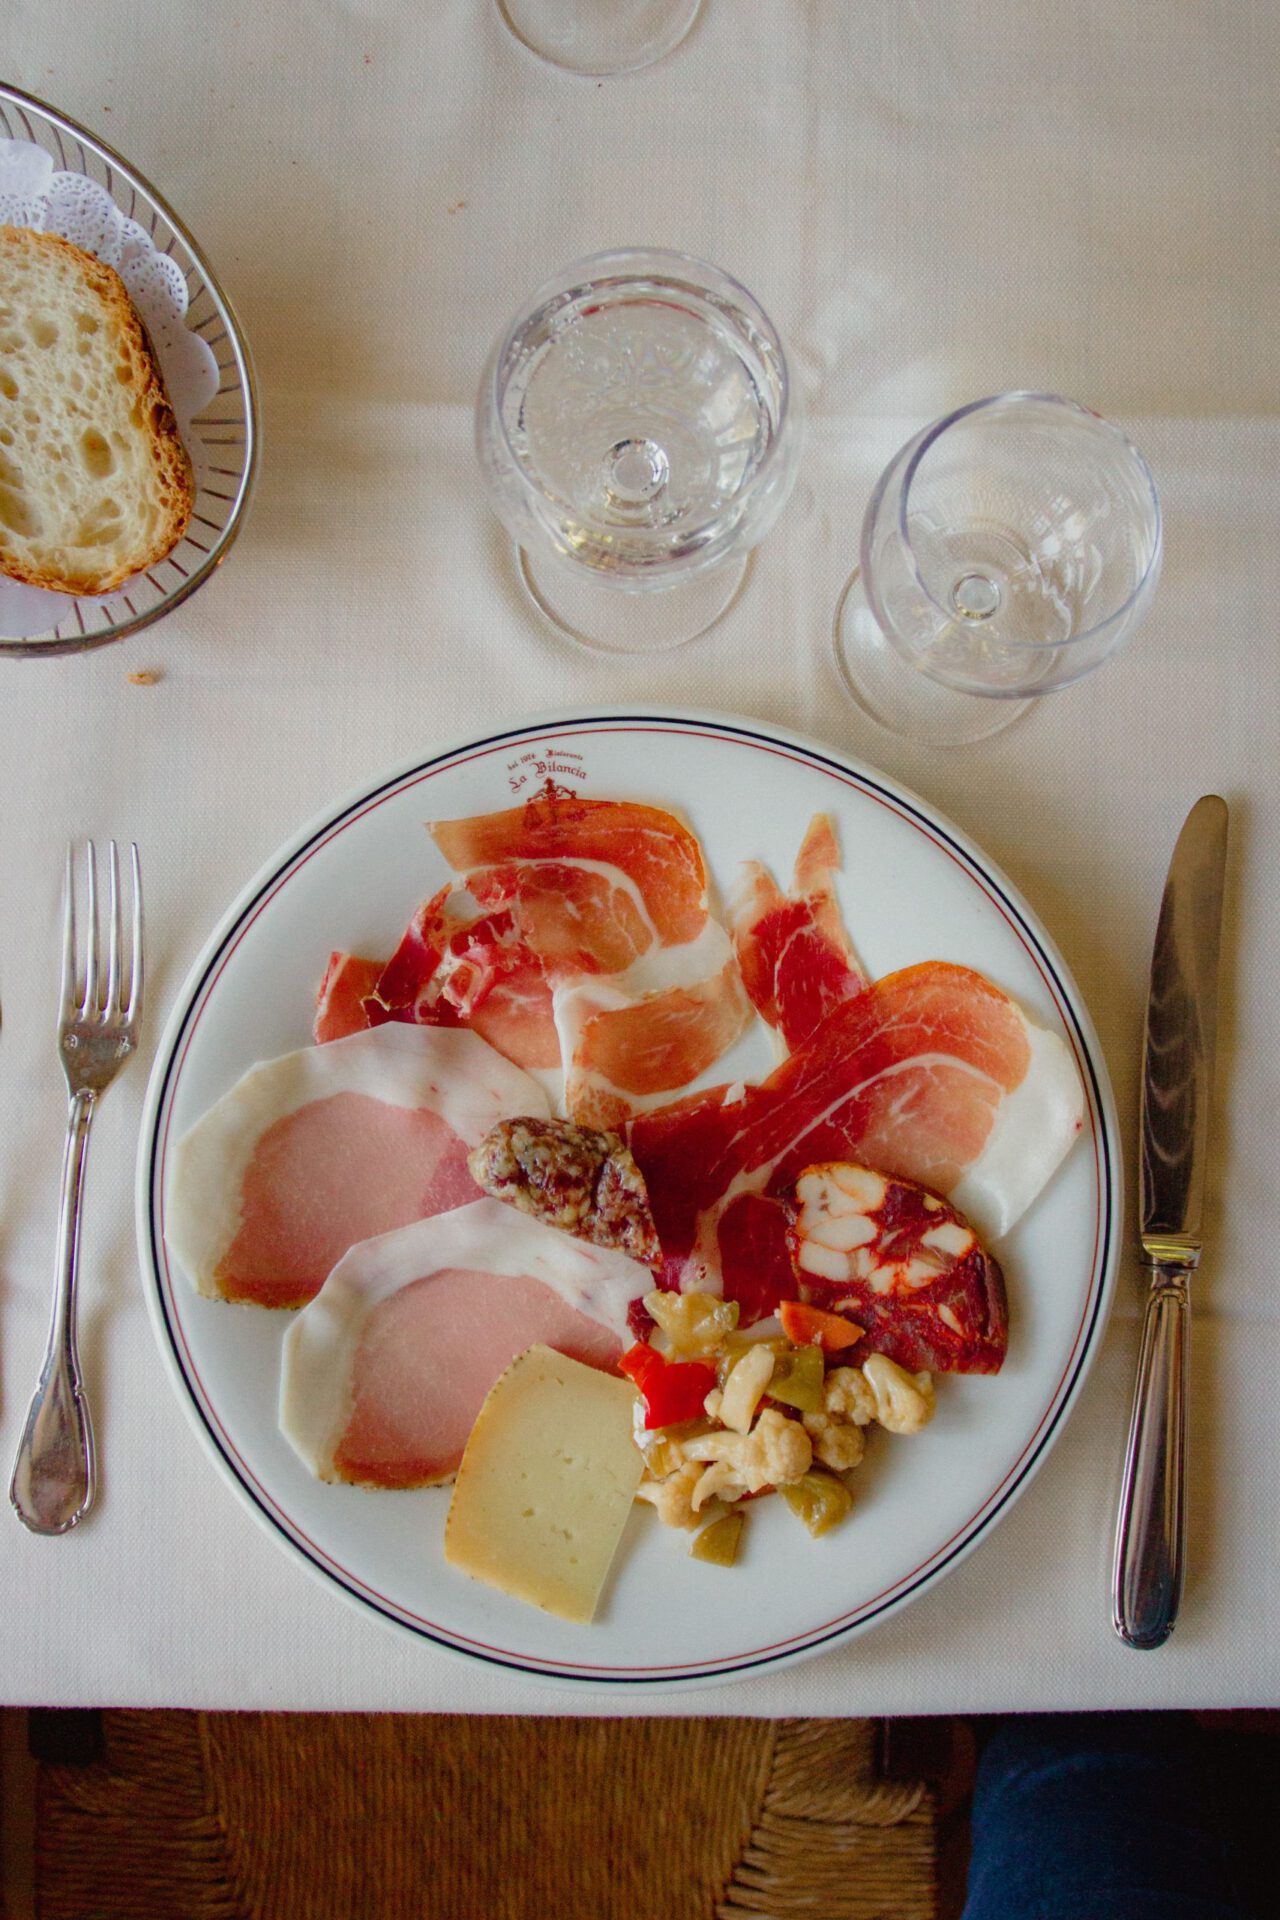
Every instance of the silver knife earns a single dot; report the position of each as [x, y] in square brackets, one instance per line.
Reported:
[1177, 1069]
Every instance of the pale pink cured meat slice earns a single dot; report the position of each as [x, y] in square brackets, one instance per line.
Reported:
[309, 1153]
[409, 1424]
[338, 1170]
[385, 1371]
[933, 1074]
[796, 958]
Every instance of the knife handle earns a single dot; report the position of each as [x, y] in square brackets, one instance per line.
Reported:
[1151, 1527]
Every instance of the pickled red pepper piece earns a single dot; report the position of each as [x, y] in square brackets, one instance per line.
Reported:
[672, 1391]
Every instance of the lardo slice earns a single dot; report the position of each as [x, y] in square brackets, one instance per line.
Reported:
[95, 484]
[384, 1373]
[546, 1484]
[314, 1151]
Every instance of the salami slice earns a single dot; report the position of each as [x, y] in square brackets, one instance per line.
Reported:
[902, 1263]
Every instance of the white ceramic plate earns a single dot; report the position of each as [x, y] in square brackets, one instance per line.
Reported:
[914, 889]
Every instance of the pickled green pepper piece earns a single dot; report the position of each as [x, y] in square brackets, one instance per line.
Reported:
[797, 1379]
[718, 1543]
[819, 1499]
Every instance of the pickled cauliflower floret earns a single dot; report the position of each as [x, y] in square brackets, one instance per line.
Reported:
[776, 1450]
[718, 1482]
[904, 1401]
[673, 1499]
[838, 1444]
[847, 1395]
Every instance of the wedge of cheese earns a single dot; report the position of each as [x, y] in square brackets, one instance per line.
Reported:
[546, 1483]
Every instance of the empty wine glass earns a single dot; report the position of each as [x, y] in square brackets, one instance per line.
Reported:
[1007, 550]
[600, 36]
[638, 436]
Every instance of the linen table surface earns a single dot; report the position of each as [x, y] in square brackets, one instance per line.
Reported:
[935, 202]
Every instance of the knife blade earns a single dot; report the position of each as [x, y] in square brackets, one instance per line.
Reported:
[1177, 1073]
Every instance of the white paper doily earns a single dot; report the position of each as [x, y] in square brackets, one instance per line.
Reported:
[34, 194]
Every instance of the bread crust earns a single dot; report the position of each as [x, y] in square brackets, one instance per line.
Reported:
[174, 478]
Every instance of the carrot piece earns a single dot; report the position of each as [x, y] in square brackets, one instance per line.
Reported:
[807, 1326]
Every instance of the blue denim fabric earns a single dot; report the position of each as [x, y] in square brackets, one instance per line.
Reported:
[1097, 1817]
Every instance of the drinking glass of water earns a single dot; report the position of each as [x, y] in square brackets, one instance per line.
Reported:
[1008, 549]
[638, 435]
[600, 36]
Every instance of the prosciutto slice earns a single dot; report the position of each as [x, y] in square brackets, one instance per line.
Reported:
[340, 1010]
[456, 967]
[309, 1153]
[385, 1371]
[796, 958]
[595, 883]
[932, 1074]
[627, 1040]
[903, 1264]
[609, 899]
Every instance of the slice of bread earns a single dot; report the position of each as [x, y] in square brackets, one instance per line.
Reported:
[95, 484]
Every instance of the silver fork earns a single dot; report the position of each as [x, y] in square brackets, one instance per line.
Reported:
[54, 1474]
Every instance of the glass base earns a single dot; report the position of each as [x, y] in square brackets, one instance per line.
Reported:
[897, 696]
[582, 36]
[622, 620]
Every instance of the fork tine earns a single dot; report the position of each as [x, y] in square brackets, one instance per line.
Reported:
[90, 1001]
[69, 930]
[135, 988]
[113, 928]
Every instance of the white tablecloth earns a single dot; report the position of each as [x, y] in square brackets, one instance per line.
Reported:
[935, 201]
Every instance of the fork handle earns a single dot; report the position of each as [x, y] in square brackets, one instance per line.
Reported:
[53, 1475]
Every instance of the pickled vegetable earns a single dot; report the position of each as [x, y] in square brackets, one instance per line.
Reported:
[814, 1326]
[662, 1455]
[819, 1499]
[718, 1543]
[694, 1323]
[797, 1379]
[764, 1333]
[744, 1387]
[672, 1390]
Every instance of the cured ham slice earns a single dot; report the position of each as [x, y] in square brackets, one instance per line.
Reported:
[309, 1153]
[903, 1264]
[595, 882]
[796, 958]
[628, 1040]
[609, 899]
[456, 967]
[932, 1075]
[340, 1009]
[385, 1371]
